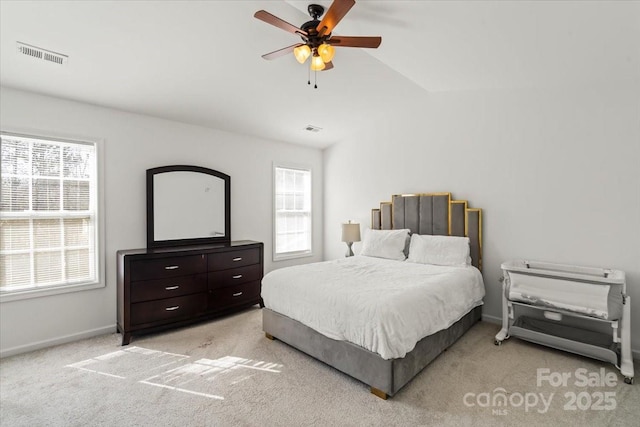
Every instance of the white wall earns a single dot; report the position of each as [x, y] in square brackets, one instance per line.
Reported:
[556, 171]
[133, 143]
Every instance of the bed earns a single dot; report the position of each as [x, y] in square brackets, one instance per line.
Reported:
[382, 320]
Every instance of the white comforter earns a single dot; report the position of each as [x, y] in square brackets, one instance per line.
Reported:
[382, 305]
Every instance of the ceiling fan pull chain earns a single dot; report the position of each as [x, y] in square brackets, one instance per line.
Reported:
[315, 80]
[309, 76]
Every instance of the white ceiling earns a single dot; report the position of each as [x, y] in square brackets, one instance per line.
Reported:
[199, 62]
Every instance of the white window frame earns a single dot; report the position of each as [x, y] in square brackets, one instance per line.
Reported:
[297, 254]
[99, 282]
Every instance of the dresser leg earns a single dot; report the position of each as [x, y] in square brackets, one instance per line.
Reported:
[126, 338]
[261, 303]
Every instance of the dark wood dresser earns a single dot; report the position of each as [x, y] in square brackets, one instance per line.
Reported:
[168, 287]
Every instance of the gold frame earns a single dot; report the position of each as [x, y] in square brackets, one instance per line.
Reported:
[466, 219]
[373, 212]
[390, 212]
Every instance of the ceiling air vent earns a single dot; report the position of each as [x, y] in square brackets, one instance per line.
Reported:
[42, 54]
[312, 128]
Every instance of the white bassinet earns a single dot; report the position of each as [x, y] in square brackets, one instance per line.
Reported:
[582, 310]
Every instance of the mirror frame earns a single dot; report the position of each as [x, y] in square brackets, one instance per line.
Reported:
[152, 243]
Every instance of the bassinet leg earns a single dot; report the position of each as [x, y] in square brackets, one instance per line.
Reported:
[626, 361]
[504, 332]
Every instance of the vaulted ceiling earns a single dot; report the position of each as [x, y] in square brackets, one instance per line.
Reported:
[199, 61]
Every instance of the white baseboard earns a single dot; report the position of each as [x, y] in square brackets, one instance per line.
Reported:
[491, 319]
[56, 341]
[498, 321]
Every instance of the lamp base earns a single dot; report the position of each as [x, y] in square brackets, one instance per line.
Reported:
[349, 251]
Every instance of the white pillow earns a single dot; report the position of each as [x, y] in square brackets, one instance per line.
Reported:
[440, 250]
[387, 244]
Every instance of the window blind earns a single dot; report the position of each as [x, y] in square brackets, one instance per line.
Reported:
[292, 211]
[48, 213]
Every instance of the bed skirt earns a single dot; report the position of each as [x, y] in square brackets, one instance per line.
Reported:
[387, 376]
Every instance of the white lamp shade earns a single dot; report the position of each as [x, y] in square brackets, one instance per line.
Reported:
[350, 232]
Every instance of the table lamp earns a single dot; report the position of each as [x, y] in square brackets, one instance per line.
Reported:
[350, 234]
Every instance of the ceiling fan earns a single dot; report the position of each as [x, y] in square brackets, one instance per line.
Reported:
[317, 40]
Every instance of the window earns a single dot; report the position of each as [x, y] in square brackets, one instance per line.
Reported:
[292, 189]
[48, 214]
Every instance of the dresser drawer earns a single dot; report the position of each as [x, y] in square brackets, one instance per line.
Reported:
[166, 288]
[167, 267]
[233, 259]
[234, 295]
[235, 276]
[168, 309]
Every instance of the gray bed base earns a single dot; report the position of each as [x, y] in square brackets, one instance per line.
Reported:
[385, 377]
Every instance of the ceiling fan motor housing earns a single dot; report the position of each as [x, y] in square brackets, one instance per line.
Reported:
[311, 27]
[313, 40]
[315, 10]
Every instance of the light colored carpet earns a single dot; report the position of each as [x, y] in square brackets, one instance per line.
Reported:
[225, 372]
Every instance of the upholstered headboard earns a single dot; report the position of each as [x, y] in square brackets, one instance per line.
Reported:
[432, 213]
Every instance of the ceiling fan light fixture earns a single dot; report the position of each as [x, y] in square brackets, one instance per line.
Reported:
[326, 52]
[317, 64]
[318, 43]
[302, 53]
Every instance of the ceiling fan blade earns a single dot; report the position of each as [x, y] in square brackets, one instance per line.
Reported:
[370, 42]
[281, 52]
[265, 16]
[336, 12]
[328, 66]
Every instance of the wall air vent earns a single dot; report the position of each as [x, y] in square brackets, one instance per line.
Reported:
[312, 128]
[42, 54]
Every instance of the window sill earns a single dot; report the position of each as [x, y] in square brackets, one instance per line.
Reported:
[7, 296]
[285, 257]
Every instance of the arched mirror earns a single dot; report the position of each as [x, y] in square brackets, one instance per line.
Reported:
[187, 205]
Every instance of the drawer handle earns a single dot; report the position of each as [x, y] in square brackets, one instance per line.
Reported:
[171, 288]
[237, 259]
[237, 294]
[175, 307]
[238, 276]
[172, 267]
